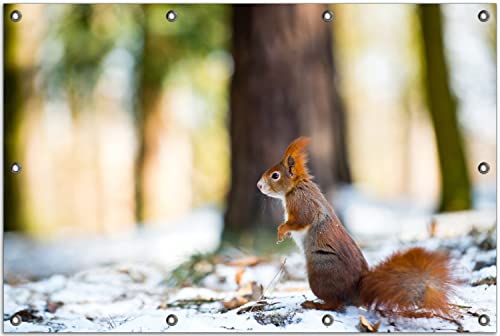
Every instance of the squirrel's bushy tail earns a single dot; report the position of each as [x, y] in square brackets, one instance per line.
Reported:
[410, 281]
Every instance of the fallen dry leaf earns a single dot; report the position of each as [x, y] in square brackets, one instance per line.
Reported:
[365, 325]
[245, 261]
[235, 302]
[252, 291]
[239, 275]
[294, 289]
[433, 228]
[257, 291]
[53, 306]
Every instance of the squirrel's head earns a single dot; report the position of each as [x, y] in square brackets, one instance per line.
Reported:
[278, 180]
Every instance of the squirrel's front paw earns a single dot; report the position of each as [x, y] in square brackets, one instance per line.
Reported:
[282, 233]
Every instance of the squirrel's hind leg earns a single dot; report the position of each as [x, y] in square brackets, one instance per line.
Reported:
[337, 306]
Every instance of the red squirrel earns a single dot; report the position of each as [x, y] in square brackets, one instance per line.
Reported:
[414, 283]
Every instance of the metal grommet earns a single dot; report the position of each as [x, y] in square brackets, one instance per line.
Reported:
[483, 15]
[327, 320]
[15, 168]
[16, 320]
[483, 320]
[172, 320]
[327, 16]
[483, 168]
[16, 16]
[171, 16]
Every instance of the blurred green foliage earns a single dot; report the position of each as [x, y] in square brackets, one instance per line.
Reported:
[76, 48]
[192, 271]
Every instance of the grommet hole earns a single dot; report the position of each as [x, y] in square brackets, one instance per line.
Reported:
[483, 15]
[172, 320]
[15, 16]
[16, 320]
[327, 320]
[327, 16]
[483, 168]
[15, 168]
[483, 320]
[171, 16]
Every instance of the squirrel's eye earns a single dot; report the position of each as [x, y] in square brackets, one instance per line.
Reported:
[275, 176]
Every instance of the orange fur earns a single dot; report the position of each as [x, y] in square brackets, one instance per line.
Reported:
[410, 280]
[296, 151]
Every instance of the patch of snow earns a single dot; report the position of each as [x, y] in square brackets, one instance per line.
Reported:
[488, 272]
[124, 290]
[172, 243]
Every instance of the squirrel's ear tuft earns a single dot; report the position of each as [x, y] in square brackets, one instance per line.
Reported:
[295, 158]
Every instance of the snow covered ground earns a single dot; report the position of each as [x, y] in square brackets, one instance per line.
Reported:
[126, 293]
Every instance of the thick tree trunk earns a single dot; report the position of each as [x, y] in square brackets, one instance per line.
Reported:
[17, 85]
[283, 87]
[147, 145]
[153, 66]
[455, 183]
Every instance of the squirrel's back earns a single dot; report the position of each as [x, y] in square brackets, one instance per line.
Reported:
[335, 263]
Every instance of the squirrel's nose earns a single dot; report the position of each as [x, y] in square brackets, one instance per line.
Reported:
[259, 185]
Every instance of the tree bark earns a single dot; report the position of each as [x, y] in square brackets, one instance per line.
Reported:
[283, 87]
[153, 66]
[17, 85]
[455, 183]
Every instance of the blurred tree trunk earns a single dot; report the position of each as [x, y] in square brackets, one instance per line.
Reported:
[455, 184]
[17, 81]
[152, 68]
[283, 87]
